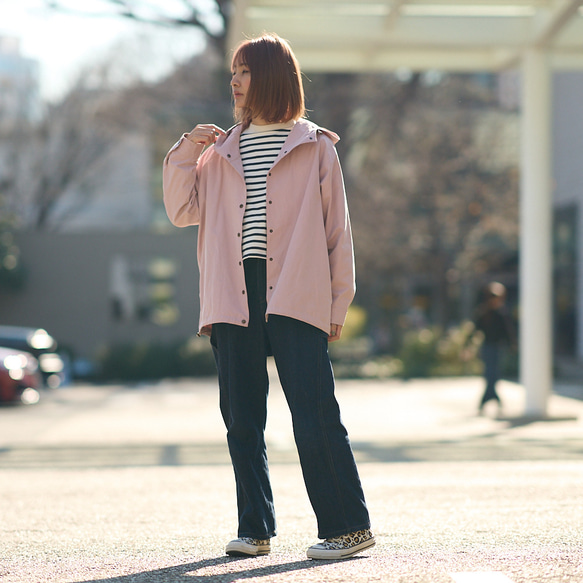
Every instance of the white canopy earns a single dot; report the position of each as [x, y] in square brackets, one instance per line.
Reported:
[485, 35]
[449, 35]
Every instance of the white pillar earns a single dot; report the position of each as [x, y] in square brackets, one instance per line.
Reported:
[536, 233]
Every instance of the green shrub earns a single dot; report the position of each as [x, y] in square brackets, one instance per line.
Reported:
[457, 352]
[418, 353]
[155, 360]
[431, 352]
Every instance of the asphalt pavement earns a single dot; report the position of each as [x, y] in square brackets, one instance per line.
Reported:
[133, 484]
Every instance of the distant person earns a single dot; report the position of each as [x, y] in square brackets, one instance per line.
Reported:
[276, 278]
[497, 327]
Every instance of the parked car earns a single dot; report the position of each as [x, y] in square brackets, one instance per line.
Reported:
[20, 379]
[42, 346]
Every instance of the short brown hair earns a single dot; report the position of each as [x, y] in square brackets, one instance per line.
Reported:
[276, 92]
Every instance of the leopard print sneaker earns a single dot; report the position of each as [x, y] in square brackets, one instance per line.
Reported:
[342, 547]
[248, 547]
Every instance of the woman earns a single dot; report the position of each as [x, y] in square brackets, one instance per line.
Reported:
[276, 278]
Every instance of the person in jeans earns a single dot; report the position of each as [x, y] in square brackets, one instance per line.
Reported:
[498, 330]
[276, 268]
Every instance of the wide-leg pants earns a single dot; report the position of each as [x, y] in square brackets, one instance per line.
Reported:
[303, 364]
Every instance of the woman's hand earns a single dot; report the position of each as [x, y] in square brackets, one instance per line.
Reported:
[205, 133]
[335, 332]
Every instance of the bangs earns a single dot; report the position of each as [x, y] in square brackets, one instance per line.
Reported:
[240, 57]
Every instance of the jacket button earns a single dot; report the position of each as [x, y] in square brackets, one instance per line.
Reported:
[271, 259]
[229, 155]
[270, 287]
[243, 321]
[243, 292]
[270, 202]
[241, 206]
[271, 230]
[238, 234]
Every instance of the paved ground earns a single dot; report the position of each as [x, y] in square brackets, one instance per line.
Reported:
[133, 484]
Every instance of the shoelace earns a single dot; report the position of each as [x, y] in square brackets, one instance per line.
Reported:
[254, 541]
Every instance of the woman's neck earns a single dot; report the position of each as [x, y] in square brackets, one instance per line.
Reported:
[268, 127]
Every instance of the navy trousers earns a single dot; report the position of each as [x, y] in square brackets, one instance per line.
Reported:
[301, 356]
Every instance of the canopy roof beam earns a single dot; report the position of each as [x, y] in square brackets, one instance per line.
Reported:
[450, 35]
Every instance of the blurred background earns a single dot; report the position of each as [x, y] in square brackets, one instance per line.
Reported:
[93, 95]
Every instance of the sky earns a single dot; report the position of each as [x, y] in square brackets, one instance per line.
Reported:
[64, 43]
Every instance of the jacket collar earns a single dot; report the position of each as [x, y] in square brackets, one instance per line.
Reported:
[228, 145]
[304, 131]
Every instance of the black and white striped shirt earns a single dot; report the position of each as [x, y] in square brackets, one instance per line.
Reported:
[259, 147]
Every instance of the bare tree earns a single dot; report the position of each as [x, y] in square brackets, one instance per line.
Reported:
[209, 17]
[50, 170]
[434, 200]
[40, 162]
[47, 158]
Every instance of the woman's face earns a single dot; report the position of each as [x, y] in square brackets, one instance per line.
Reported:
[240, 82]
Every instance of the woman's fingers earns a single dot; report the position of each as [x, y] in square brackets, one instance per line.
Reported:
[335, 332]
[206, 134]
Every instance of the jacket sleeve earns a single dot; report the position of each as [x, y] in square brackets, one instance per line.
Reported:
[338, 231]
[180, 181]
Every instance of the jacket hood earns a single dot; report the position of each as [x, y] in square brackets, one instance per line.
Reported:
[303, 131]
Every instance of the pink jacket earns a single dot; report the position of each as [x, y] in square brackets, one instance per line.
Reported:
[310, 263]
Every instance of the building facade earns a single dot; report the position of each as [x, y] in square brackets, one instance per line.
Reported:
[19, 85]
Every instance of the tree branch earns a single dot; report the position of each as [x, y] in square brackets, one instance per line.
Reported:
[122, 9]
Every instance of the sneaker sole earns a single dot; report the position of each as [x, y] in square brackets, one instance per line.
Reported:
[245, 550]
[323, 554]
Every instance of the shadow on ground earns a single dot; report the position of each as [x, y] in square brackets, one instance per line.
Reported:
[495, 446]
[224, 569]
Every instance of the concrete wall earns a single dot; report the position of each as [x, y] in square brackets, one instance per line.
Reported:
[70, 287]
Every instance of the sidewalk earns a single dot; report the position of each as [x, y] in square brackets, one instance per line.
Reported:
[134, 485]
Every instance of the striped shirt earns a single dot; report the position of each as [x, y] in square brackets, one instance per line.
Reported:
[259, 147]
